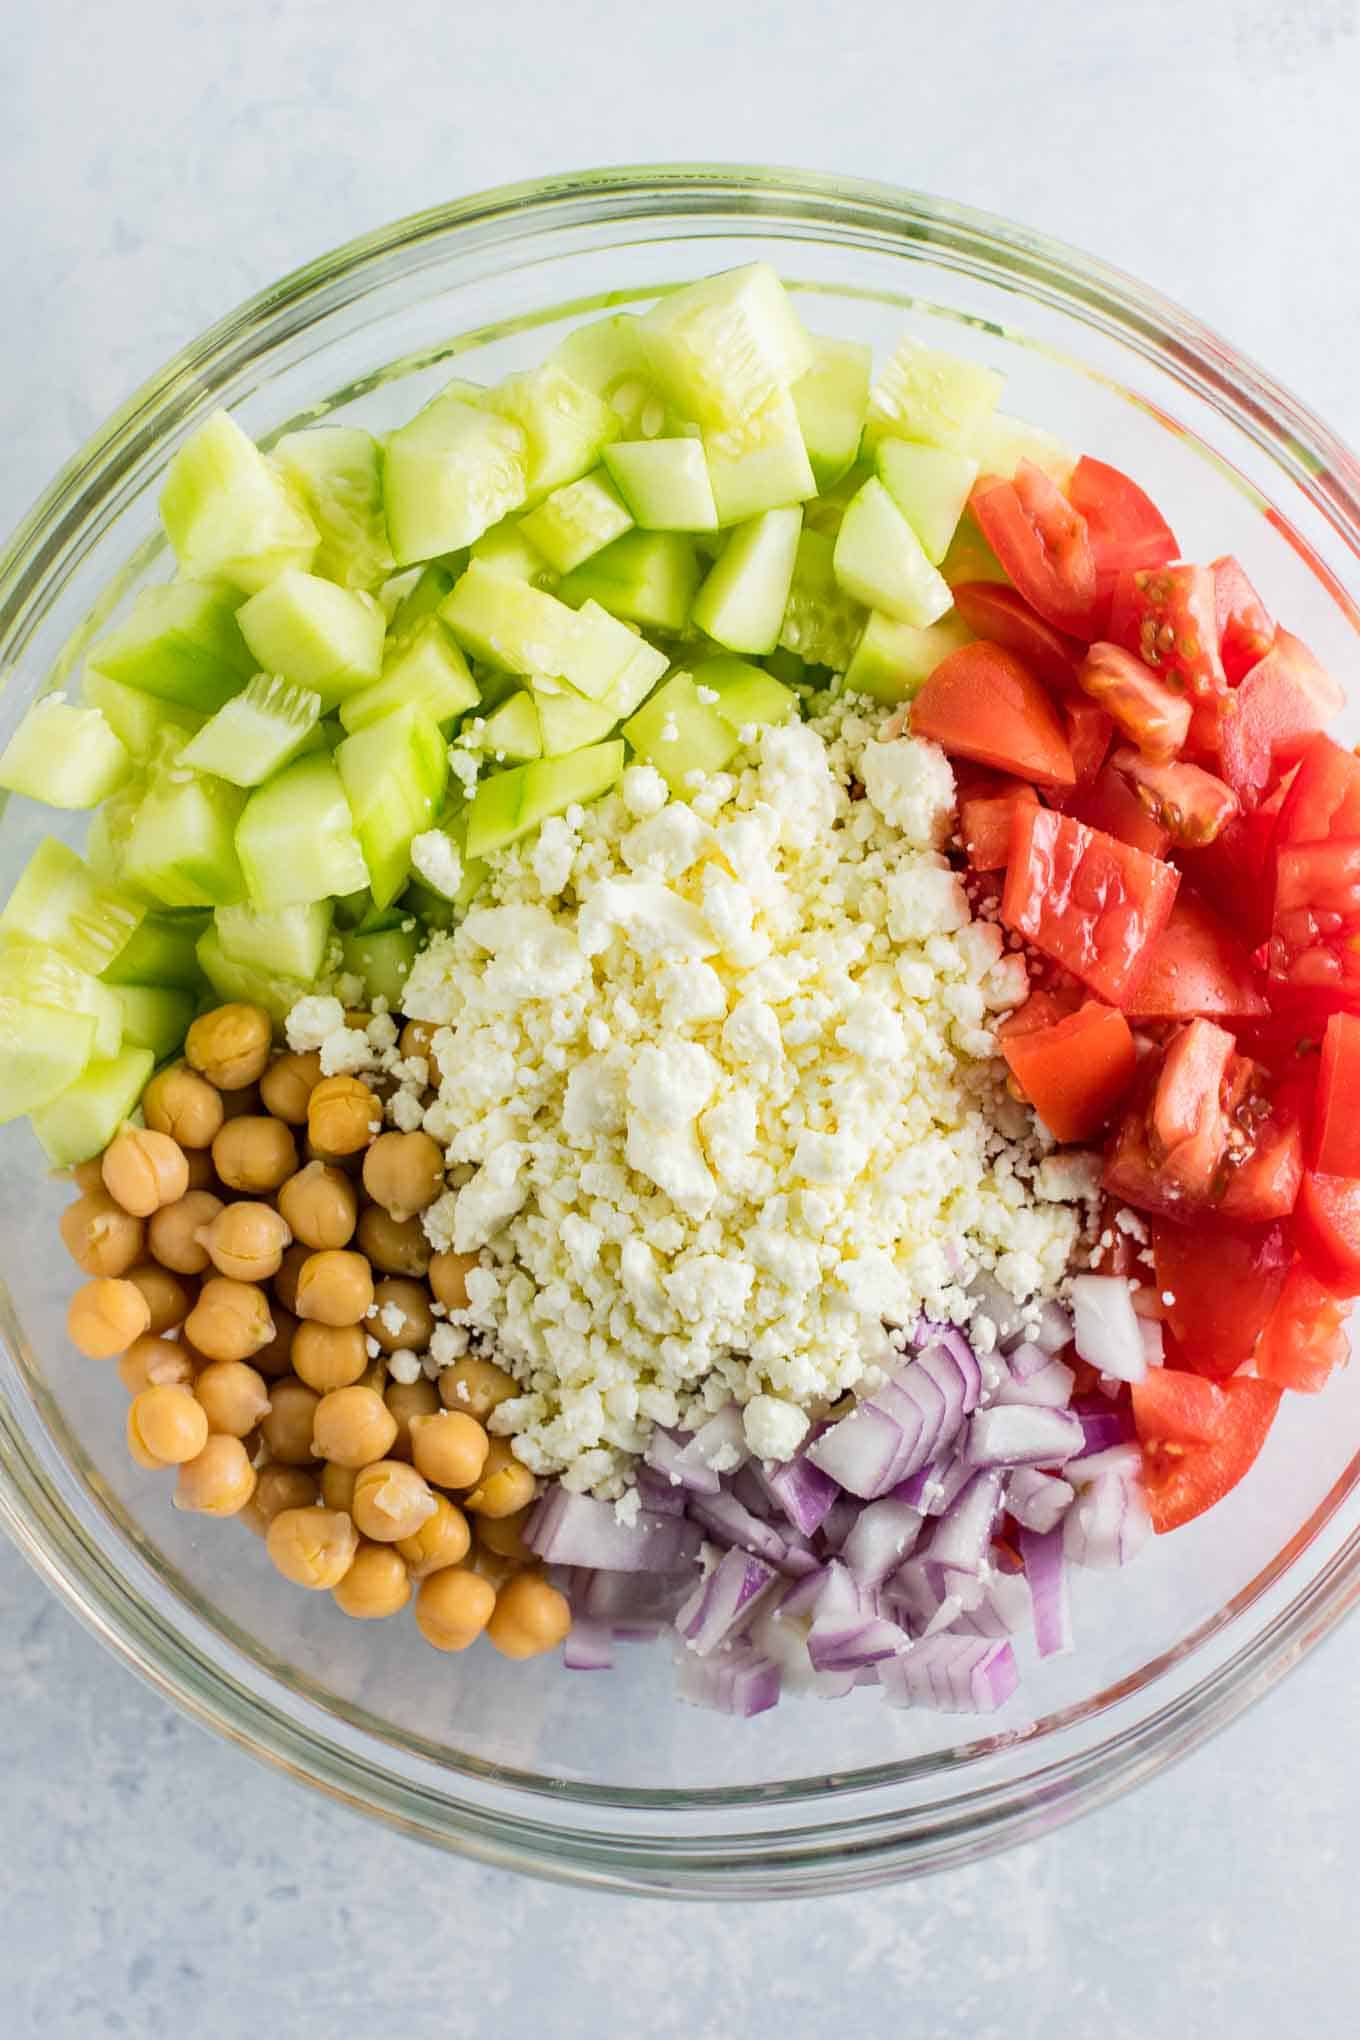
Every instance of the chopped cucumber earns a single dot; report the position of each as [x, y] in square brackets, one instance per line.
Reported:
[136, 719]
[923, 394]
[832, 400]
[1001, 443]
[508, 549]
[512, 731]
[289, 941]
[664, 482]
[449, 475]
[382, 957]
[106, 838]
[646, 577]
[66, 756]
[893, 660]
[879, 561]
[721, 348]
[181, 847]
[970, 558]
[256, 733]
[511, 803]
[162, 952]
[42, 1051]
[443, 870]
[337, 472]
[296, 838]
[565, 425]
[821, 623]
[576, 521]
[761, 464]
[827, 511]
[394, 774]
[568, 722]
[608, 358]
[181, 644]
[58, 900]
[637, 679]
[741, 604]
[81, 1120]
[427, 671]
[680, 734]
[229, 980]
[228, 514]
[746, 693]
[38, 976]
[426, 589]
[930, 487]
[326, 639]
[526, 631]
[155, 1017]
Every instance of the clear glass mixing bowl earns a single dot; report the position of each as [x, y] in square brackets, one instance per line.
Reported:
[609, 1780]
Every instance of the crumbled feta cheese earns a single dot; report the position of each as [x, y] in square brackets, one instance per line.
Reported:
[345, 1051]
[435, 858]
[404, 1366]
[774, 1428]
[311, 1020]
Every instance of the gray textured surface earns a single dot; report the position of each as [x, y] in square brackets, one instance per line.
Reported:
[158, 163]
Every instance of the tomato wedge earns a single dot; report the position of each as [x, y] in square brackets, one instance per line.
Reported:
[1336, 1122]
[1283, 702]
[1189, 803]
[985, 822]
[1324, 799]
[1233, 872]
[1110, 804]
[1002, 617]
[1264, 1182]
[1198, 1438]
[1089, 735]
[1166, 616]
[1187, 1120]
[1043, 1008]
[1043, 544]
[1093, 904]
[1304, 1340]
[1152, 715]
[1245, 631]
[1327, 1227]
[981, 703]
[1126, 528]
[1197, 969]
[1315, 932]
[1075, 1072]
[1223, 1282]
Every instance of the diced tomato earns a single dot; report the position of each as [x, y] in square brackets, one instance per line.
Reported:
[981, 703]
[1336, 1121]
[1327, 1227]
[1043, 1008]
[1190, 804]
[1110, 804]
[1117, 1251]
[1198, 1438]
[1187, 1121]
[1223, 1282]
[1075, 1072]
[1149, 713]
[1304, 1340]
[1234, 871]
[1002, 617]
[1323, 800]
[1126, 528]
[1166, 617]
[1090, 733]
[1265, 1183]
[1283, 702]
[1315, 932]
[1197, 969]
[1043, 544]
[1090, 902]
[1245, 631]
[1193, 1125]
[985, 822]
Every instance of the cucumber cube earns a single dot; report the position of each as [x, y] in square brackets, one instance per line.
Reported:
[645, 577]
[81, 1120]
[930, 486]
[741, 604]
[38, 976]
[576, 521]
[746, 693]
[827, 511]
[382, 957]
[450, 474]
[878, 560]
[565, 425]
[42, 1051]
[607, 357]
[832, 400]
[58, 900]
[511, 731]
[296, 838]
[181, 644]
[923, 394]
[181, 847]
[326, 639]
[721, 348]
[568, 722]
[278, 995]
[821, 623]
[162, 952]
[136, 719]
[427, 671]
[508, 549]
[1001, 443]
[893, 660]
[423, 589]
[527, 631]
[256, 733]
[511, 803]
[155, 1017]
[761, 464]
[664, 482]
[394, 774]
[66, 756]
[289, 941]
[680, 734]
[336, 470]
[228, 514]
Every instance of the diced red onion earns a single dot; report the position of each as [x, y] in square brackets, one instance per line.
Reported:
[1038, 1501]
[949, 1343]
[961, 1536]
[990, 1300]
[935, 1486]
[1105, 1326]
[674, 1459]
[725, 1601]
[802, 1490]
[802, 1597]
[568, 1529]
[861, 1452]
[631, 1600]
[952, 1674]
[912, 1595]
[1013, 1435]
[837, 1647]
[1123, 1459]
[1154, 1343]
[1046, 1571]
[719, 1445]
[1049, 1387]
[1002, 1608]
[840, 1520]
[750, 1490]
[1027, 1359]
[723, 1516]
[660, 1495]
[734, 1681]
[589, 1646]
[1101, 1428]
[1107, 1525]
[883, 1536]
[1053, 1331]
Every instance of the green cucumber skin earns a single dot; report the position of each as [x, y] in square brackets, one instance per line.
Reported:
[82, 1119]
[180, 644]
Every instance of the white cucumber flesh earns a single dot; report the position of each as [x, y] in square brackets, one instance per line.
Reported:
[38, 976]
[427, 671]
[577, 521]
[721, 348]
[893, 660]
[64, 756]
[136, 718]
[162, 952]
[527, 631]
[155, 1017]
[568, 722]
[821, 623]
[181, 644]
[422, 589]
[746, 694]
[832, 401]
[741, 603]
[879, 561]
[930, 486]
[326, 639]
[394, 774]
[296, 838]
[337, 472]
[608, 358]
[645, 577]
[58, 900]
[42, 1052]
[449, 475]
[1002, 442]
[511, 803]
[565, 425]
[509, 549]
[925, 394]
[664, 483]
[256, 733]
[761, 464]
[229, 515]
[289, 941]
[181, 847]
[511, 731]
[82, 1119]
[382, 959]
[245, 981]
[680, 734]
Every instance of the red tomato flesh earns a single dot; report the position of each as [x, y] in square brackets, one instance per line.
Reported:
[1152, 715]
[1336, 1122]
[1197, 969]
[985, 823]
[1283, 702]
[1323, 800]
[1089, 735]
[1093, 904]
[1223, 1283]
[1110, 804]
[1245, 631]
[1166, 616]
[1304, 1340]
[1265, 1184]
[981, 703]
[1315, 932]
[997, 614]
[1189, 803]
[1126, 528]
[1198, 1438]
[1075, 1072]
[1043, 544]
[1327, 1227]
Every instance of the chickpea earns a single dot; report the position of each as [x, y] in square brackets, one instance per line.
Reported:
[404, 1321]
[320, 1205]
[530, 1617]
[453, 1607]
[328, 1357]
[408, 1400]
[450, 1449]
[504, 1535]
[376, 1585]
[312, 1547]
[288, 1083]
[220, 1482]
[286, 1281]
[233, 1396]
[337, 1486]
[476, 1386]
[274, 1360]
[394, 1246]
[246, 1240]
[448, 1278]
[150, 1362]
[105, 1316]
[202, 1174]
[181, 1103]
[100, 1237]
[168, 1297]
[170, 1426]
[442, 1539]
[172, 1234]
[353, 1427]
[277, 1488]
[287, 1430]
[144, 1169]
[391, 1501]
[88, 1175]
[137, 1452]
[335, 1288]
[504, 1486]
[351, 1167]
[254, 1154]
[417, 1039]
[343, 1115]
[230, 1046]
[492, 1566]
[230, 1320]
[404, 1173]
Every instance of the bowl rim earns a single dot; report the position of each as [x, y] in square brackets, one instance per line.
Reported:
[882, 1844]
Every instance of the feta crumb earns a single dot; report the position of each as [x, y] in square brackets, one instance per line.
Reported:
[435, 859]
[403, 1366]
[774, 1428]
[311, 1020]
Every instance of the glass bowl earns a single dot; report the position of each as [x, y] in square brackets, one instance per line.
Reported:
[609, 1780]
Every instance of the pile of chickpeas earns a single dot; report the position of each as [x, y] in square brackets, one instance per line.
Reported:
[255, 1255]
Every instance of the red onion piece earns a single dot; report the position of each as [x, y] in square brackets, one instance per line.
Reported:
[1105, 1326]
[569, 1529]
[861, 1452]
[1048, 1387]
[1107, 1525]
[1014, 1435]
[674, 1459]
[725, 1601]
[1046, 1571]
[961, 1536]
[952, 1674]
[1123, 1459]
[723, 1516]
[834, 1647]
[802, 1490]
[735, 1681]
[1038, 1501]
[884, 1534]
[631, 1600]
[589, 1646]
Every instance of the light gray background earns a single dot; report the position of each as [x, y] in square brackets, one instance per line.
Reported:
[158, 163]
